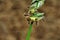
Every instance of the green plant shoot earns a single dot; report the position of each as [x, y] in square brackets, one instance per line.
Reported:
[34, 14]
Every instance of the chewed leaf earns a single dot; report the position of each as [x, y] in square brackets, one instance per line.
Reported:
[33, 18]
[40, 3]
[40, 18]
[40, 14]
[35, 5]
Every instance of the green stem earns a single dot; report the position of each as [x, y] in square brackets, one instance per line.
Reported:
[29, 32]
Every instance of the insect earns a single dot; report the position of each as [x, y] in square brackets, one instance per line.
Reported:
[33, 14]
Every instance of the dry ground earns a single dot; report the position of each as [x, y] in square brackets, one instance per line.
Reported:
[14, 26]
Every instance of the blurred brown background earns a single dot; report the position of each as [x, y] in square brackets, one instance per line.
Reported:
[14, 26]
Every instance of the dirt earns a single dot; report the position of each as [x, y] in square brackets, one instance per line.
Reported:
[14, 26]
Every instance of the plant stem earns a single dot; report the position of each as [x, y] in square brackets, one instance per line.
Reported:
[29, 32]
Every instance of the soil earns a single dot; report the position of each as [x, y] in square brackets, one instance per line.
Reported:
[14, 26]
